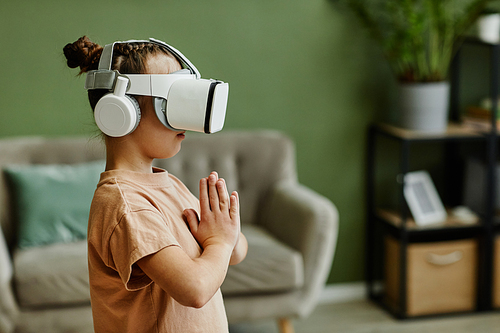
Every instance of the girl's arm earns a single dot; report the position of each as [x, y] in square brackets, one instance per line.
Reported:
[240, 250]
[193, 282]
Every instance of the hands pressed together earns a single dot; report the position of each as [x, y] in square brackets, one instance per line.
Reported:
[219, 223]
[194, 281]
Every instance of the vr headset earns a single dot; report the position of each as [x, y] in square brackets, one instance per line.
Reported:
[182, 100]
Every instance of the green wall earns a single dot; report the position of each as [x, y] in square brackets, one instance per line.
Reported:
[299, 66]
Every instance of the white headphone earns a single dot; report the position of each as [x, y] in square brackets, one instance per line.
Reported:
[182, 100]
[117, 114]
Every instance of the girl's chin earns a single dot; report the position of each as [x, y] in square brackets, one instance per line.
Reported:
[170, 152]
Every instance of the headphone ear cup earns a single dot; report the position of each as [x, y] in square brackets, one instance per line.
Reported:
[117, 116]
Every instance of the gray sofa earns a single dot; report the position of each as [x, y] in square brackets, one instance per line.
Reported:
[291, 230]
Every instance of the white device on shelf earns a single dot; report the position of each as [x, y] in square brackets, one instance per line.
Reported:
[423, 199]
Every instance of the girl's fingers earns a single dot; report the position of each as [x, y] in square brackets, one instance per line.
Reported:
[213, 194]
[192, 220]
[223, 195]
[225, 187]
[204, 200]
[234, 210]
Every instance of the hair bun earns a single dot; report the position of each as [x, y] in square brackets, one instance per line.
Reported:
[83, 53]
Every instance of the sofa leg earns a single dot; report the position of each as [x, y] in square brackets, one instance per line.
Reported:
[285, 325]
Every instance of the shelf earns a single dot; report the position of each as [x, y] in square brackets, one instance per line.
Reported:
[457, 140]
[394, 219]
[476, 40]
[454, 131]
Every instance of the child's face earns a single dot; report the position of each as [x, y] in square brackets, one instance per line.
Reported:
[155, 140]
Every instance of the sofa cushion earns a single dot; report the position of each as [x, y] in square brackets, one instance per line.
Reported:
[53, 201]
[57, 274]
[52, 275]
[270, 266]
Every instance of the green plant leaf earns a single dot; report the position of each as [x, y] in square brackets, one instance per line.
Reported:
[419, 37]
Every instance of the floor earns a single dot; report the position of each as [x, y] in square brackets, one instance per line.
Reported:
[365, 317]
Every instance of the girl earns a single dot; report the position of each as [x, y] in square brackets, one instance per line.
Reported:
[157, 256]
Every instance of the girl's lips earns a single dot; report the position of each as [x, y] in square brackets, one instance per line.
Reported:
[181, 134]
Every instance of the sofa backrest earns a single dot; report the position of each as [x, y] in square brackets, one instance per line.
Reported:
[38, 150]
[250, 162]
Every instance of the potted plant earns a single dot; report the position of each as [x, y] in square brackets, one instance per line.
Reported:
[419, 39]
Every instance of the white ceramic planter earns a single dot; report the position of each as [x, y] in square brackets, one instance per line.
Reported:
[489, 28]
[424, 106]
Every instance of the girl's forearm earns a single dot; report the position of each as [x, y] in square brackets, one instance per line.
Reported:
[240, 250]
[191, 282]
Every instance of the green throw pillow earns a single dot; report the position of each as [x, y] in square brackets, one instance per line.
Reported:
[52, 202]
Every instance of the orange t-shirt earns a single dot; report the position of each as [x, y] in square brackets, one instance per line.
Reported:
[132, 216]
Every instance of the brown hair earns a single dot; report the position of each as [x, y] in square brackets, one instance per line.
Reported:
[128, 58]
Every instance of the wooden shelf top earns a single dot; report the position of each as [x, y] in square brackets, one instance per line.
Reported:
[394, 218]
[454, 130]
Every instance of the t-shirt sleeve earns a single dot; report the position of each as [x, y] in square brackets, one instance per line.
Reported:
[138, 235]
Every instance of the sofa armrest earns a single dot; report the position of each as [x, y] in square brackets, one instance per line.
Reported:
[307, 222]
[8, 306]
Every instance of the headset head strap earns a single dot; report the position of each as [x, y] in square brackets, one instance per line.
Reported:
[105, 77]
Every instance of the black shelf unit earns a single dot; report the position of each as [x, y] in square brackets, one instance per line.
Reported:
[399, 224]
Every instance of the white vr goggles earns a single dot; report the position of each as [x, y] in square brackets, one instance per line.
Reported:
[182, 99]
